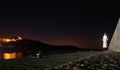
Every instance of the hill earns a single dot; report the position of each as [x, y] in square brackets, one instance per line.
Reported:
[27, 44]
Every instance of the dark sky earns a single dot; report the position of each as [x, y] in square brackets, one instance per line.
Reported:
[80, 24]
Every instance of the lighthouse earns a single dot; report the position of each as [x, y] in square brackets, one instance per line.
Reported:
[105, 39]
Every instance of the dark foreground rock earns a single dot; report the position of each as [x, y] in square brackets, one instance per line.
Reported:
[102, 61]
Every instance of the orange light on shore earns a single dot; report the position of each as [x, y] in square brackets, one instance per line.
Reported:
[20, 38]
[10, 39]
[9, 55]
[6, 40]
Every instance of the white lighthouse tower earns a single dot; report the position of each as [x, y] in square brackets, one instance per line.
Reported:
[105, 39]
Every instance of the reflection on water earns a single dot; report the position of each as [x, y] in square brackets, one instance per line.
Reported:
[12, 55]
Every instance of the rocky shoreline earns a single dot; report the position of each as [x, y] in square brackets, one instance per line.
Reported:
[102, 61]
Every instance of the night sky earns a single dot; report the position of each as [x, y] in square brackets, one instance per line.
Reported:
[79, 24]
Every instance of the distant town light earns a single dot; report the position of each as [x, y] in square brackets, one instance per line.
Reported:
[6, 40]
[20, 38]
[13, 39]
[10, 39]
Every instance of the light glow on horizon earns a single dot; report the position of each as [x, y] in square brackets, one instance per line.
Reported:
[10, 39]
